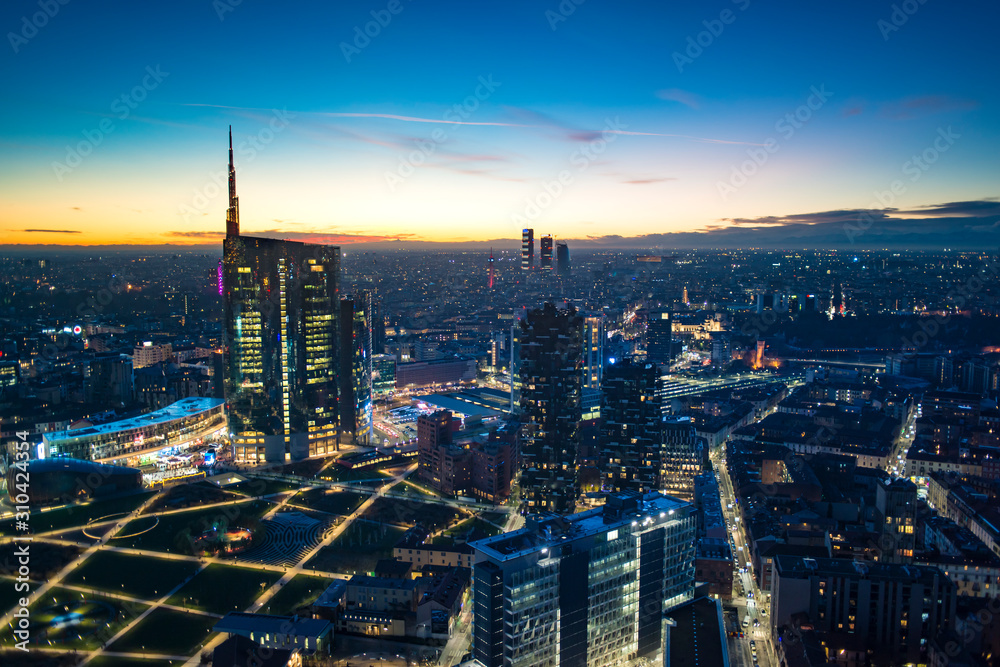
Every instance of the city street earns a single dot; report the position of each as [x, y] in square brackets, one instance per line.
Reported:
[751, 603]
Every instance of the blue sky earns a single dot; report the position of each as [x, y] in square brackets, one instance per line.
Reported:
[558, 78]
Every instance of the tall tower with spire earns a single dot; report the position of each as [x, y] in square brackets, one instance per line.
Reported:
[233, 212]
[280, 338]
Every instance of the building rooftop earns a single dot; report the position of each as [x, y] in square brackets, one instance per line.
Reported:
[456, 405]
[186, 407]
[543, 531]
[800, 567]
[239, 623]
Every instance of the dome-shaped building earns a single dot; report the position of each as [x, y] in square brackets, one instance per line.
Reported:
[62, 479]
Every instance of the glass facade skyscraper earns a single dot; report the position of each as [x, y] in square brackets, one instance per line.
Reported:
[281, 301]
[356, 367]
[587, 590]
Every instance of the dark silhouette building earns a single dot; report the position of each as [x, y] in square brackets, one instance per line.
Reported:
[551, 375]
[631, 415]
[546, 253]
[562, 258]
[658, 337]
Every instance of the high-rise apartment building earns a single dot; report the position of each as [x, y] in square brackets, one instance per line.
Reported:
[281, 301]
[546, 253]
[550, 373]
[631, 415]
[593, 350]
[896, 501]
[658, 337]
[528, 249]
[682, 455]
[893, 610]
[434, 436]
[586, 590]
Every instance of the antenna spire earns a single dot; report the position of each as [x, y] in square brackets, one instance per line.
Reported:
[233, 212]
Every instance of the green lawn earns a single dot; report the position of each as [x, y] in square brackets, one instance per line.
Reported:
[256, 486]
[113, 661]
[46, 559]
[338, 473]
[143, 577]
[408, 512]
[411, 489]
[330, 500]
[471, 529]
[224, 588]
[357, 549]
[78, 515]
[57, 601]
[175, 532]
[10, 597]
[300, 591]
[167, 631]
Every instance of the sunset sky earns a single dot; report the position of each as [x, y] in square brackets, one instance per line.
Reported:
[651, 113]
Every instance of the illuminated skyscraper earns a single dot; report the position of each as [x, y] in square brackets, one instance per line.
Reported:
[356, 367]
[681, 457]
[593, 350]
[546, 246]
[528, 249]
[281, 301]
[586, 590]
[491, 272]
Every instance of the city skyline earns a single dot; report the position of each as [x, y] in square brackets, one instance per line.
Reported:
[669, 126]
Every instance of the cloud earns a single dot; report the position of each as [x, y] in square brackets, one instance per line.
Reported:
[197, 235]
[854, 109]
[677, 95]
[967, 225]
[646, 181]
[540, 121]
[987, 206]
[48, 231]
[316, 236]
[331, 238]
[913, 107]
